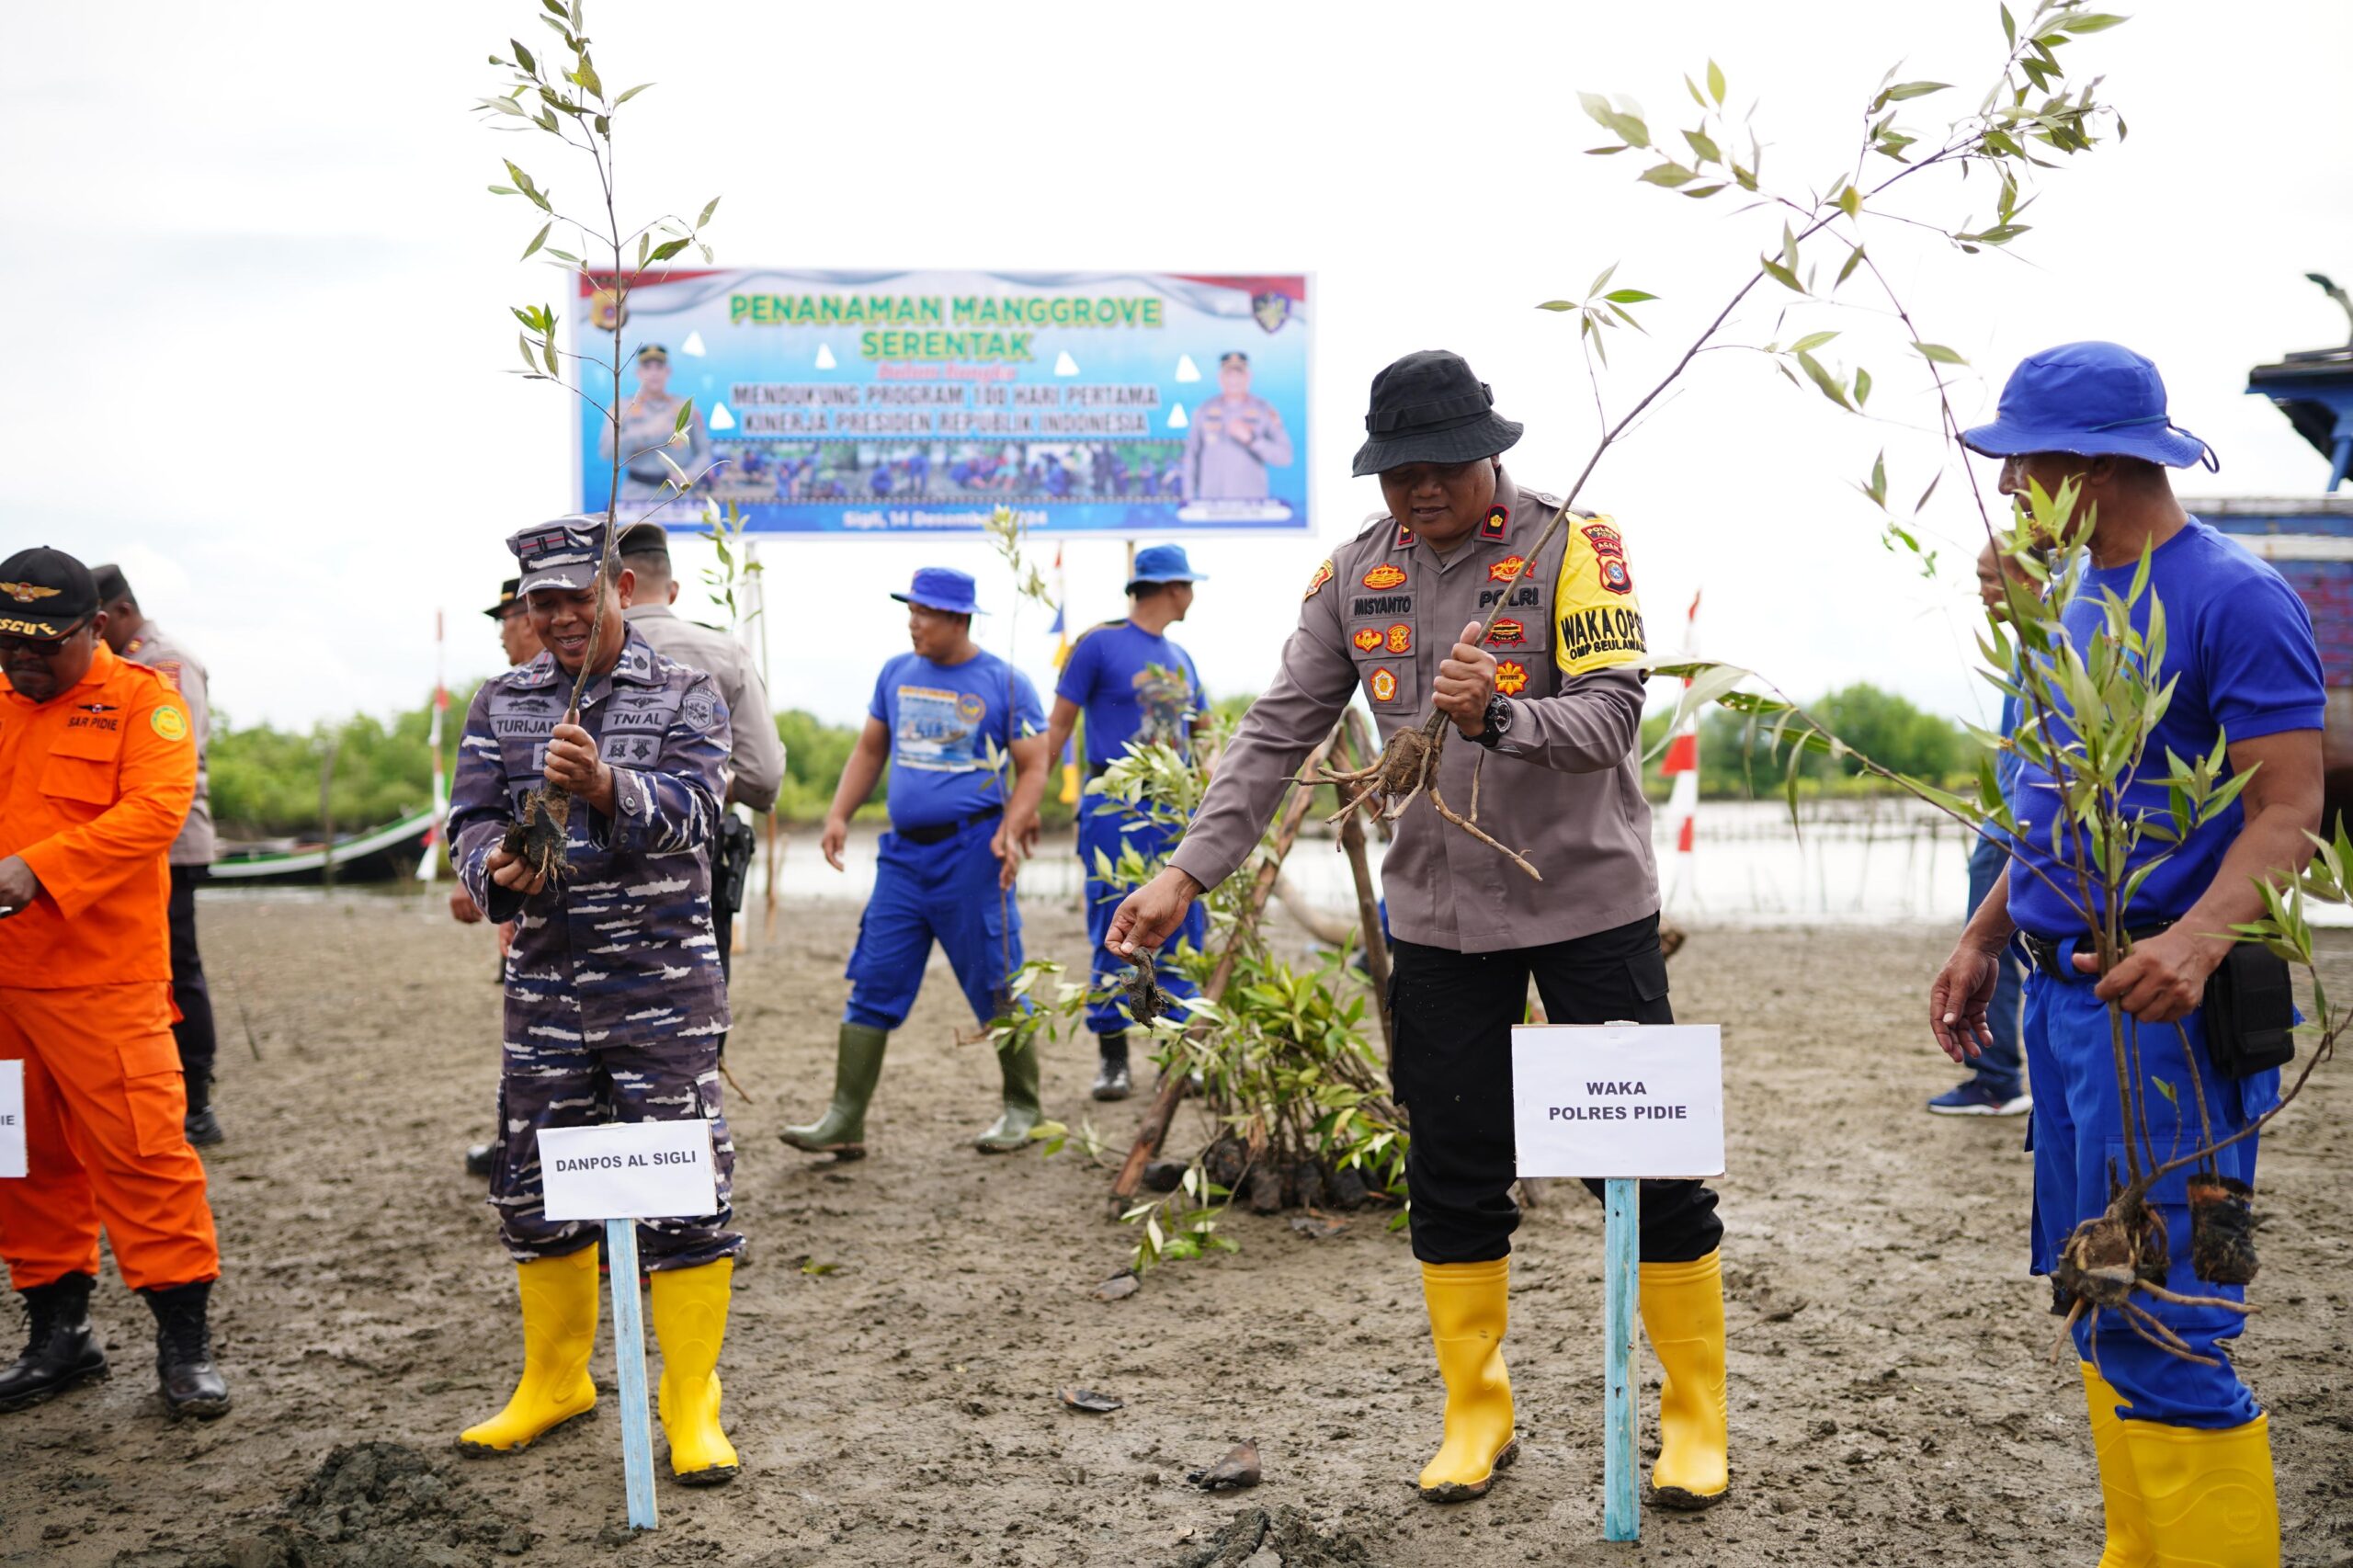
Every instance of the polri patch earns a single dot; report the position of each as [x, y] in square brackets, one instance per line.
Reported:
[1614, 576]
[1507, 569]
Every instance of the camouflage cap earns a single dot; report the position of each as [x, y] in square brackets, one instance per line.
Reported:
[559, 554]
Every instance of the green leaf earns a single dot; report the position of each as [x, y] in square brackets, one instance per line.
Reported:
[1938, 353]
[1628, 297]
[1716, 82]
[1668, 174]
[1904, 90]
[1850, 201]
[1864, 390]
[669, 248]
[504, 190]
[1854, 259]
[537, 240]
[1557, 305]
[685, 412]
[1704, 145]
[630, 94]
[586, 77]
[2009, 28]
[2097, 22]
[1812, 340]
[1780, 274]
[707, 208]
[523, 57]
[1822, 379]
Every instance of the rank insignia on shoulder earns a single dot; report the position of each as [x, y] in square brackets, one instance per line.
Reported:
[1404, 535]
[1511, 677]
[1400, 639]
[1507, 569]
[1498, 519]
[1506, 633]
[1315, 584]
[1383, 686]
[1367, 639]
[1388, 574]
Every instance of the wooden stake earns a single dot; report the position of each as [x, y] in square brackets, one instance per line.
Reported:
[629, 1353]
[1621, 1511]
[1376, 945]
[1162, 1108]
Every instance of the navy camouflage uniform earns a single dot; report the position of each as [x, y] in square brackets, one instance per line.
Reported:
[615, 1002]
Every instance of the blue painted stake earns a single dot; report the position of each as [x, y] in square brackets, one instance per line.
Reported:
[629, 1351]
[1621, 1517]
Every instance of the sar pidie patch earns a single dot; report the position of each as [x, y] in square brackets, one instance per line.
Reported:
[1388, 574]
[1315, 584]
[169, 723]
[1383, 686]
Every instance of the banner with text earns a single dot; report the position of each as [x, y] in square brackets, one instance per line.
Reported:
[1617, 1099]
[12, 1119]
[1119, 403]
[629, 1170]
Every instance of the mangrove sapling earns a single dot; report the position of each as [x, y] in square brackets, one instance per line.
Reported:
[573, 106]
[2025, 115]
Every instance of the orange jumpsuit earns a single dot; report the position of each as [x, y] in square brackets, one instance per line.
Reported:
[93, 786]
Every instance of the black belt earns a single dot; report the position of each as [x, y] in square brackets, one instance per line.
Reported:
[2046, 953]
[940, 832]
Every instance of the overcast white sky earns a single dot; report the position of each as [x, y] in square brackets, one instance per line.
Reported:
[256, 289]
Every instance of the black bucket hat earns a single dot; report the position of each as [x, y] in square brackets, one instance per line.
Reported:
[1429, 408]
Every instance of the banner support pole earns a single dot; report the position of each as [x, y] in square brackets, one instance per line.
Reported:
[1620, 1509]
[629, 1353]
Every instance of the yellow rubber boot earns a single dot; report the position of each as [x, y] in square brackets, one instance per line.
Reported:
[1469, 1308]
[1682, 1317]
[2120, 1488]
[2208, 1497]
[689, 1315]
[559, 1297]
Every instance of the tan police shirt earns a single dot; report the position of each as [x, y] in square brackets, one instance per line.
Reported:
[166, 657]
[755, 757]
[1564, 788]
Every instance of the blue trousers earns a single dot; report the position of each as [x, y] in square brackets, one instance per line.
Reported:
[944, 892]
[2002, 1068]
[2078, 1137]
[1103, 828]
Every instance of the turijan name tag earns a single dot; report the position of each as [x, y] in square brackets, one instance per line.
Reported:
[1619, 1099]
[629, 1170]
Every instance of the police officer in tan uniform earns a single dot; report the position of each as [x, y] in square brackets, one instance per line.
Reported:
[1555, 700]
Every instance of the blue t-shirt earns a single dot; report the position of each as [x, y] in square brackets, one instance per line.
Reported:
[943, 720]
[1132, 685]
[2240, 645]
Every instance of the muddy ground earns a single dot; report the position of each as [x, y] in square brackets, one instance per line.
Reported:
[1893, 1392]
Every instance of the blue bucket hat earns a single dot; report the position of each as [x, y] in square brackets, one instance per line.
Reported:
[1163, 563]
[2088, 399]
[941, 588]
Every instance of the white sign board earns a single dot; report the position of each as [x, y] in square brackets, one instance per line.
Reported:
[629, 1170]
[12, 1119]
[1619, 1099]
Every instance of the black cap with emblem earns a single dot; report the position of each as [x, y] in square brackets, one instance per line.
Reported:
[45, 593]
[507, 597]
[1429, 408]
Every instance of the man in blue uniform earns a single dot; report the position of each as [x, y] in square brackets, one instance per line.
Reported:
[615, 999]
[2184, 1453]
[1133, 685]
[945, 715]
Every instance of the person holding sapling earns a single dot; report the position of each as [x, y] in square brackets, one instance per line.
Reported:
[2184, 1453]
[1552, 704]
[1132, 684]
[615, 1002]
[944, 717]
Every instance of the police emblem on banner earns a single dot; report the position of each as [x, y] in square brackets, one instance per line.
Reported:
[1270, 310]
[1388, 574]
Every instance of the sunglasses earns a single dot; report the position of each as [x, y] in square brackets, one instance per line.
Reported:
[10, 642]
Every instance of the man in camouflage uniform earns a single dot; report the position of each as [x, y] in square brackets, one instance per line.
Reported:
[615, 1002]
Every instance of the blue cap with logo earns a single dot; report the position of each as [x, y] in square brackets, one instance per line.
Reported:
[2090, 399]
[1163, 563]
[559, 554]
[942, 589]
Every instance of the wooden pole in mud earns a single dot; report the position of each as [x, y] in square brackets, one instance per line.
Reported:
[629, 1353]
[1621, 1517]
[1163, 1109]
[1376, 943]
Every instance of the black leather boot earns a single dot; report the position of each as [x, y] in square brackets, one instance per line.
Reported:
[192, 1385]
[1111, 1077]
[60, 1350]
[202, 1126]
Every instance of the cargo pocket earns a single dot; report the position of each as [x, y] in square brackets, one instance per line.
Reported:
[1392, 681]
[1646, 973]
[155, 1091]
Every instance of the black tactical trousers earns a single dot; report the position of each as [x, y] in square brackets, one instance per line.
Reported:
[1453, 1014]
[194, 1031]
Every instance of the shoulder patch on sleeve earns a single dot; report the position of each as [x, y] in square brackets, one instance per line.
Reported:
[1315, 584]
[168, 721]
[1599, 619]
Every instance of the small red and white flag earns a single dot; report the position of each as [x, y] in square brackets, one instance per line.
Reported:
[1681, 766]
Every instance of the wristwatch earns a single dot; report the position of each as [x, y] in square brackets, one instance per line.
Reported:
[1498, 722]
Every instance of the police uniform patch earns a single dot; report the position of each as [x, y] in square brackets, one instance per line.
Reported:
[1315, 584]
[1367, 639]
[1404, 535]
[1400, 639]
[1600, 624]
[169, 723]
[1606, 540]
[28, 593]
[1511, 677]
[1388, 574]
[1614, 576]
[697, 710]
[1507, 569]
[1383, 686]
[1506, 633]
[1498, 519]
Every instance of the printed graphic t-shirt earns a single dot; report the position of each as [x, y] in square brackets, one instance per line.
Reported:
[2240, 643]
[1132, 685]
[944, 720]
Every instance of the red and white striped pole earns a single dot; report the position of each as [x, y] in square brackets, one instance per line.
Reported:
[1682, 767]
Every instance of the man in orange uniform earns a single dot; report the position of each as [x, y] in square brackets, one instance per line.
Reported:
[98, 765]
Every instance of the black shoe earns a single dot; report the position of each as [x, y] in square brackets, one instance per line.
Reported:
[1111, 1079]
[204, 1129]
[61, 1351]
[192, 1385]
[478, 1160]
